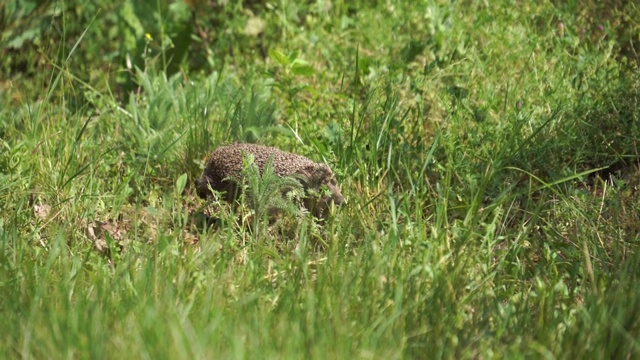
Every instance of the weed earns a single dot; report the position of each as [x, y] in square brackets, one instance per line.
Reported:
[488, 151]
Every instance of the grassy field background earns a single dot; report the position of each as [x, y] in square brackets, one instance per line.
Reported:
[488, 152]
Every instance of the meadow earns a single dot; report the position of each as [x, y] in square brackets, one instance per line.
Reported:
[487, 150]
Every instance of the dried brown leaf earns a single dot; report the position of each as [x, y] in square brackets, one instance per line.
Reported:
[41, 211]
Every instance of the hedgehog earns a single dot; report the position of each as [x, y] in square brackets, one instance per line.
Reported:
[225, 165]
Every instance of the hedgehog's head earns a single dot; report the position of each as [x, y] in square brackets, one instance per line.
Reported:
[202, 187]
[321, 189]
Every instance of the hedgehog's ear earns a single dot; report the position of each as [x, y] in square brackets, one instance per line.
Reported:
[323, 173]
[305, 175]
[315, 174]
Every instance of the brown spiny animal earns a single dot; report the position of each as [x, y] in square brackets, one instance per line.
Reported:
[225, 165]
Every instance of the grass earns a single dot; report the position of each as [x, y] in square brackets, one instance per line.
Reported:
[488, 153]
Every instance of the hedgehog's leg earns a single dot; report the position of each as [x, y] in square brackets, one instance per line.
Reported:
[231, 191]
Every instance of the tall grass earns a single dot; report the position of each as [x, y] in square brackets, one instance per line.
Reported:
[488, 155]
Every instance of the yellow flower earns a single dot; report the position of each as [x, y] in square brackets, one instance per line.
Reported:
[148, 36]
